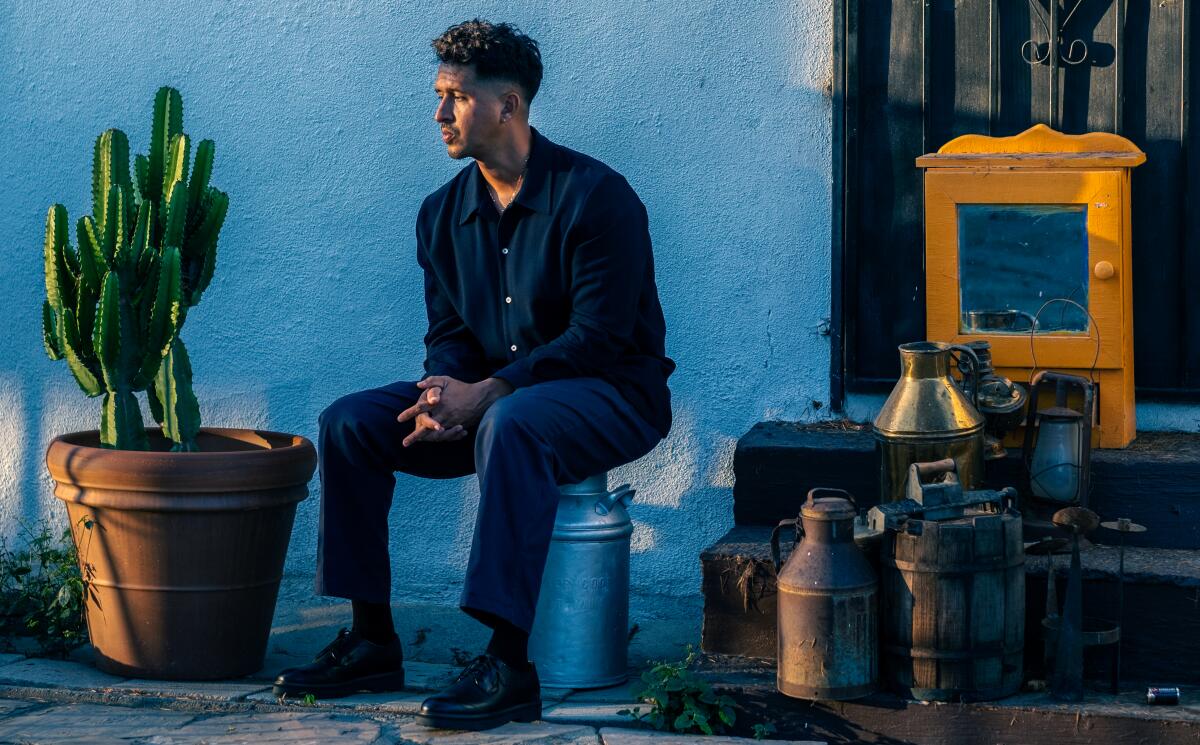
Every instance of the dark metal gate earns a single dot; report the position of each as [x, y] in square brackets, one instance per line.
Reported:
[913, 74]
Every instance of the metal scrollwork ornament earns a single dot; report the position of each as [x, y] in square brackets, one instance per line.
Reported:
[1076, 50]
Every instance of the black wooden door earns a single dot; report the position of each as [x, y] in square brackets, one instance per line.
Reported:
[912, 74]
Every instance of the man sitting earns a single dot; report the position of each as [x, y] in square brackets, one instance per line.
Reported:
[545, 364]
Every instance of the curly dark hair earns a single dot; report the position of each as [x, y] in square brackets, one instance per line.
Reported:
[497, 51]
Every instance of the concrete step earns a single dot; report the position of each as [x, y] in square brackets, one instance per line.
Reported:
[1162, 604]
[1027, 718]
[1155, 481]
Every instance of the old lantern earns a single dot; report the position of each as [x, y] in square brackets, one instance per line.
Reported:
[1058, 441]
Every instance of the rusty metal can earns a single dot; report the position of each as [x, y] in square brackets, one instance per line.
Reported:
[828, 648]
[1162, 696]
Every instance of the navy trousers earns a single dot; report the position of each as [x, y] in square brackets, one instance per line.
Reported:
[528, 442]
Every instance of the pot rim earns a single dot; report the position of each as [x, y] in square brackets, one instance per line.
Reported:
[73, 462]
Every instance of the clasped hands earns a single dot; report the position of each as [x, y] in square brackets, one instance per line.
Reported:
[448, 407]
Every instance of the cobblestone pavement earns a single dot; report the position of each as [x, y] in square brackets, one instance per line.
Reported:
[59, 701]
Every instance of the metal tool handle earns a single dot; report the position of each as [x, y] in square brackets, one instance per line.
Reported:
[623, 494]
[838, 492]
[1010, 498]
[775, 558]
[971, 383]
[936, 468]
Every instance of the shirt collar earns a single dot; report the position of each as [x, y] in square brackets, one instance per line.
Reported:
[535, 189]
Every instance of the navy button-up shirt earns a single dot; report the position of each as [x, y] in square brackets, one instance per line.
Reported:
[560, 285]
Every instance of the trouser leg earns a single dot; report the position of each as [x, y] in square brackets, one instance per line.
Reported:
[527, 444]
[359, 449]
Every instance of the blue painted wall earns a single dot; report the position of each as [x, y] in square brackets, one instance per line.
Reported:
[717, 113]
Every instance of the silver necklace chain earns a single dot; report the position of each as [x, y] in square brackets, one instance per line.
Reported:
[520, 183]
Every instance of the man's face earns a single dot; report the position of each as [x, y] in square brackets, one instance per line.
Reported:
[468, 111]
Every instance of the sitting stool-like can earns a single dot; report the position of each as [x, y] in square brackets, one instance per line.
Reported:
[580, 636]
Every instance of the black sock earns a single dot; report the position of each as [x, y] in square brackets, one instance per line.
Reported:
[373, 621]
[509, 643]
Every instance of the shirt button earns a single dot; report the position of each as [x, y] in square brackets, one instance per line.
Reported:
[508, 300]
[513, 347]
[504, 251]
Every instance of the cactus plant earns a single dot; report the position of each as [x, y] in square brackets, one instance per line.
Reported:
[117, 299]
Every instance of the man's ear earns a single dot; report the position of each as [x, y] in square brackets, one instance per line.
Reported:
[510, 104]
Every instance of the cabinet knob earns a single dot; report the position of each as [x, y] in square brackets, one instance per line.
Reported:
[1104, 270]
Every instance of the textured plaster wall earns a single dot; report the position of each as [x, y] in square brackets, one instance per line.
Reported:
[716, 112]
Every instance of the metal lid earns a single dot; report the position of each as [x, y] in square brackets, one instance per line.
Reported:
[595, 484]
[839, 505]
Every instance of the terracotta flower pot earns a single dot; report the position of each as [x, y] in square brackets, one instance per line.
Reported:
[184, 551]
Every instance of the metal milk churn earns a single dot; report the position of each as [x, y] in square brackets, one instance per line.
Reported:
[580, 635]
[828, 600]
[928, 418]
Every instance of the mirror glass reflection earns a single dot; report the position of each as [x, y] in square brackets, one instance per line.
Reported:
[1012, 258]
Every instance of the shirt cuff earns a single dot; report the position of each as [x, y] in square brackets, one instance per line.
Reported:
[517, 373]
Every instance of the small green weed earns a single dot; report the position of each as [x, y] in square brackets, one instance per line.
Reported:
[762, 729]
[681, 701]
[42, 591]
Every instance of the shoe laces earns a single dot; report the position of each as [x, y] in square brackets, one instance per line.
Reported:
[334, 648]
[482, 668]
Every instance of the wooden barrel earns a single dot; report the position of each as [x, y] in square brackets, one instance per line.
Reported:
[953, 598]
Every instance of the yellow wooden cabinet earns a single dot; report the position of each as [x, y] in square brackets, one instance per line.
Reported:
[1027, 246]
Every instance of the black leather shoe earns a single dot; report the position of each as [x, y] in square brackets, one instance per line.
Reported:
[348, 665]
[486, 694]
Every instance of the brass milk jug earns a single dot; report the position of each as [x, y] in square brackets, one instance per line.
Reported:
[928, 418]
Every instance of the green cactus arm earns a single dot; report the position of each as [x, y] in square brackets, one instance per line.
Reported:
[110, 166]
[166, 316]
[176, 216]
[173, 388]
[71, 262]
[59, 287]
[141, 175]
[147, 286]
[84, 374]
[50, 332]
[176, 168]
[85, 319]
[216, 217]
[121, 426]
[152, 398]
[106, 339]
[168, 122]
[117, 229]
[108, 238]
[90, 243]
[141, 245]
[201, 173]
[216, 206]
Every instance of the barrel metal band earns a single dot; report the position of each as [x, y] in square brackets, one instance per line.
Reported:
[909, 566]
[923, 653]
